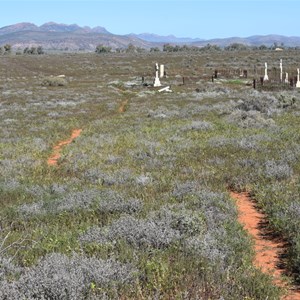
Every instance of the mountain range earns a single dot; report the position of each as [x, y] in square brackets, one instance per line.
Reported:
[61, 36]
[50, 27]
[73, 37]
[155, 38]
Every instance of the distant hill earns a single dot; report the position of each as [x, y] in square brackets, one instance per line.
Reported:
[150, 37]
[255, 40]
[73, 37]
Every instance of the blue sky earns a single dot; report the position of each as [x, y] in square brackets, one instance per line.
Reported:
[183, 18]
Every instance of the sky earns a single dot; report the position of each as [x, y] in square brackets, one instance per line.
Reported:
[204, 19]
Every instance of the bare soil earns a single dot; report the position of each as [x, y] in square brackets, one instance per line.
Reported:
[122, 107]
[267, 248]
[54, 157]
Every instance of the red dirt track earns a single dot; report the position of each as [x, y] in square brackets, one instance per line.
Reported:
[122, 107]
[54, 157]
[267, 250]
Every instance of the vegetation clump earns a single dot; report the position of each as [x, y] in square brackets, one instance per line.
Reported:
[58, 276]
[102, 49]
[54, 81]
[34, 50]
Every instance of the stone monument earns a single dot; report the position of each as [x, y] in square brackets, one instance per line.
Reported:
[156, 80]
[165, 89]
[161, 71]
[298, 79]
[266, 77]
[280, 65]
[286, 80]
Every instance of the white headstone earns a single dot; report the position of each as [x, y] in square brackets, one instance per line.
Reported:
[266, 77]
[280, 70]
[161, 71]
[165, 89]
[286, 80]
[298, 79]
[156, 80]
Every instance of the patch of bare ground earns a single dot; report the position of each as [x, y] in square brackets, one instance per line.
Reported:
[54, 157]
[268, 250]
[122, 107]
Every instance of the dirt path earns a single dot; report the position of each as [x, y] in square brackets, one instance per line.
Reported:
[267, 250]
[53, 158]
[122, 107]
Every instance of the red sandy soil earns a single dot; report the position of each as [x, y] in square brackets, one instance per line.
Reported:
[267, 250]
[122, 107]
[52, 160]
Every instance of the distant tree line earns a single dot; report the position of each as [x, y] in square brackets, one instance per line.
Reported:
[188, 48]
[34, 50]
[7, 49]
[130, 49]
[230, 47]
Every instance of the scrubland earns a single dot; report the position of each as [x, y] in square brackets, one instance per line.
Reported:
[138, 206]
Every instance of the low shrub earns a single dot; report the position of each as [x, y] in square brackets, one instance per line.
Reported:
[57, 276]
[107, 201]
[54, 81]
[119, 205]
[250, 119]
[138, 233]
[198, 125]
[277, 170]
[8, 269]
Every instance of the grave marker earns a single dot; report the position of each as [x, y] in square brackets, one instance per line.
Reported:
[298, 79]
[280, 65]
[161, 71]
[216, 73]
[286, 77]
[156, 80]
[266, 77]
[165, 89]
[261, 81]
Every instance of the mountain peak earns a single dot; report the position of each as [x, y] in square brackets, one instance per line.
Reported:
[55, 27]
[99, 29]
[50, 23]
[24, 26]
